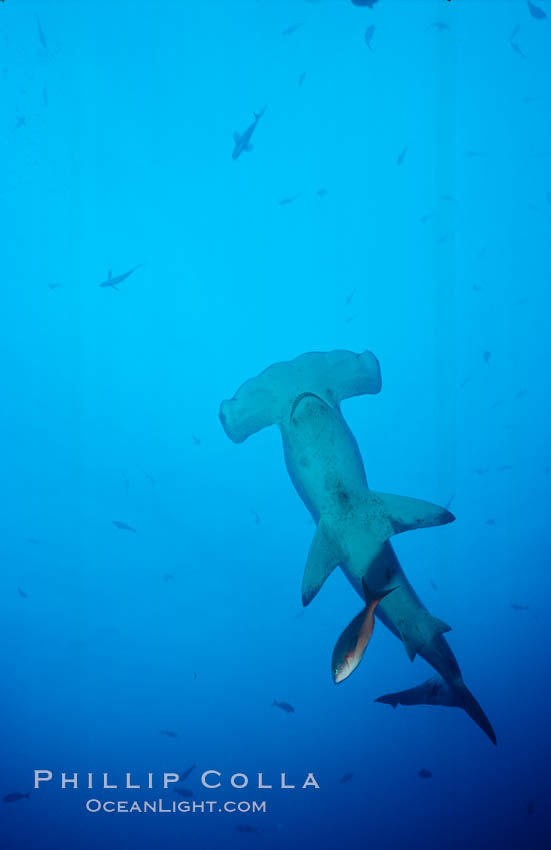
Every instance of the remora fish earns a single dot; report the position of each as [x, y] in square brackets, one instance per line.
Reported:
[352, 644]
[114, 281]
[243, 140]
[268, 399]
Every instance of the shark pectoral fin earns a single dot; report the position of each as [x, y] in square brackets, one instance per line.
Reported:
[405, 514]
[249, 147]
[324, 555]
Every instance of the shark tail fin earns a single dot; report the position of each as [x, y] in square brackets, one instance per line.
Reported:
[325, 554]
[258, 115]
[436, 691]
[405, 514]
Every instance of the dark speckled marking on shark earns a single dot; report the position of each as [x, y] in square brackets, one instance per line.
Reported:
[354, 523]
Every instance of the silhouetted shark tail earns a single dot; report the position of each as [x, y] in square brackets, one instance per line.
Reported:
[436, 691]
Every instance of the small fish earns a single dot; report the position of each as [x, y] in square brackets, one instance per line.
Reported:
[186, 773]
[515, 32]
[288, 200]
[54, 285]
[245, 827]
[284, 706]
[424, 219]
[168, 733]
[242, 141]
[504, 467]
[516, 607]
[123, 526]
[291, 29]
[433, 584]
[368, 36]
[480, 470]
[14, 796]
[402, 156]
[321, 193]
[536, 12]
[520, 394]
[486, 356]
[517, 49]
[349, 298]
[442, 239]
[183, 792]
[301, 79]
[438, 25]
[256, 518]
[490, 522]
[32, 540]
[45, 96]
[196, 440]
[351, 645]
[22, 593]
[21, 121]
[41, 34]
[168, 577]
[346, 778]
[424, 773]
[113, 282]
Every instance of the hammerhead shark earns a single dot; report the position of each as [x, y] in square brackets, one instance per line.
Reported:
[242, 141]
[114, 281]
[302, 397]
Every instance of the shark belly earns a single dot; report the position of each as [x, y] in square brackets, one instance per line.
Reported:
[322, 458]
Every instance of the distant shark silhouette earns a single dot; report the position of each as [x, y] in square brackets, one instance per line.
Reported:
[113, 282]
[354, 523]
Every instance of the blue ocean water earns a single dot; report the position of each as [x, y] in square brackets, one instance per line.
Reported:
[397, 199]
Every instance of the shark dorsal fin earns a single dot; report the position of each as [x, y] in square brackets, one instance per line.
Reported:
[325, 554]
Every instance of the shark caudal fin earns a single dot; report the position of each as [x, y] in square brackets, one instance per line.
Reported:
[325, 554]
[436, 691]
[396, 514]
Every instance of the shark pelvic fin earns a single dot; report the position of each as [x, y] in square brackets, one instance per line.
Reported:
[374, 595]
[437, 691]
[405, 514]
[325, 554]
